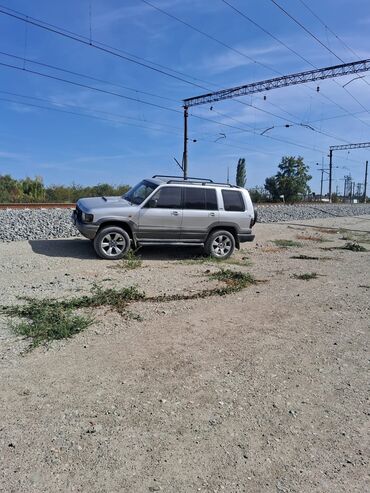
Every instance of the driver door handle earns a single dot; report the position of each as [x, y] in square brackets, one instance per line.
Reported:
[174, 213]
[212, 214]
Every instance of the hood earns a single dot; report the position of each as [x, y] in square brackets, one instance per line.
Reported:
[93, 203]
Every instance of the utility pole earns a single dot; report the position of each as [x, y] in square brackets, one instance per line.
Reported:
[322, 179]
[228, 175]
[365, 184]
[330, 171]
[185, 154]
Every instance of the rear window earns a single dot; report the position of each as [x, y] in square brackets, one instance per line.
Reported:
[233, 200]
[200, 198]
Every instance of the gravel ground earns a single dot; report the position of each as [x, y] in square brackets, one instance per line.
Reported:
[54, 223]
[265, 390]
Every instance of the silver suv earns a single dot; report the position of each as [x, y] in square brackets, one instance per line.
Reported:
[168, 210]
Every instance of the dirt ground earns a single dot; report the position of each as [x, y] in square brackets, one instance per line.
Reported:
[264, 390]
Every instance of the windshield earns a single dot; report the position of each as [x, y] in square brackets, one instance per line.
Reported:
[140, 192]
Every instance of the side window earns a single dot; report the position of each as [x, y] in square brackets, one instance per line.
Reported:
[211, 199]
[168, 198]
[194, 198]
[233, 200]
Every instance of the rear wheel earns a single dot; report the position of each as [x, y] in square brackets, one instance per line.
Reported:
[220, 244]
[112, 243]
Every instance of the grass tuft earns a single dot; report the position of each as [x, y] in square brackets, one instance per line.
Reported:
[305, 257]
[353, 246]
[243, 262]
[45, 320]
[306, 277]
[130, 261]
[287, 243]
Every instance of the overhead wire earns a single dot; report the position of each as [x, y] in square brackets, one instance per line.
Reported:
[77, 37]
[80, 39]
[242, 14]
[90, 77]
[27, 19]
[310, 33]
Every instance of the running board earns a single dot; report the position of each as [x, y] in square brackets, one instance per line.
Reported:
[169, 243]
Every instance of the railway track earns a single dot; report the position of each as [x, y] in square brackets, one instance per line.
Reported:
[41, 205]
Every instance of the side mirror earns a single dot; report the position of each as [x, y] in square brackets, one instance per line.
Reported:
[152, 203]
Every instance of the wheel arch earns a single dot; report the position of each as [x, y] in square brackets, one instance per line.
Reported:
[121, 224]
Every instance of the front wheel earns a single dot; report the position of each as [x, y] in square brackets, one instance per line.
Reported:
[220, 244]
[112, 243]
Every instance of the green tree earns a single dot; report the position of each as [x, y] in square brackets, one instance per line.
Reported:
[241, 174]
[10, 189]
[291, 180]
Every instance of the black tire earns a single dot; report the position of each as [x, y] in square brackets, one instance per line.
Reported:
[112, 243]
[225, 241]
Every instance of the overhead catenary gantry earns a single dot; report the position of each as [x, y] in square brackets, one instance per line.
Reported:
[345, 147]
[267, 85]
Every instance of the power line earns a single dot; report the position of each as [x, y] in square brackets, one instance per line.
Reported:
[120, 122]
[83, 114]
[92, 110]
[79, 74]
[209, 36]
[190, 26]
[94, 88]
[98, 89]
[80, 39]
[328, 28]
[242, 14]
[105, 45]
[129, 98]
[322, 44]
[332, 32]
[306, 30]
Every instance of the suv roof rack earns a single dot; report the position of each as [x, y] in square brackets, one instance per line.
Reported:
[192, 182]
[181, 179]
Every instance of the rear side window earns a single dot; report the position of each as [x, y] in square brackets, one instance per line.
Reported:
[200, 199]
[168, 198]
[233, 200]
[211, 199]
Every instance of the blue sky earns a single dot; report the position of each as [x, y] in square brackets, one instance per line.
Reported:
[116, 140]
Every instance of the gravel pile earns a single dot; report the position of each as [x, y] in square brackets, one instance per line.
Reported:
[277, 213]
[41, 224]
[36, 224]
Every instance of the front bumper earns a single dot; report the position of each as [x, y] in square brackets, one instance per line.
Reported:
[87, 230]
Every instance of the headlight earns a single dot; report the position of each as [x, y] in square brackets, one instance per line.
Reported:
[87, 218]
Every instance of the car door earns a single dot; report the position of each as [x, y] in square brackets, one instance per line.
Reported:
[160, 218]
[200, 212]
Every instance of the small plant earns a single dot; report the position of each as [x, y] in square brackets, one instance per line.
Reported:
[306, 277]
[243, 262]
[305, 257]
[308, 257]
[287, 243]
[354, 247]
[46, 320]
[130, 261]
